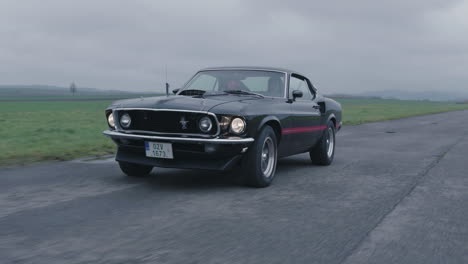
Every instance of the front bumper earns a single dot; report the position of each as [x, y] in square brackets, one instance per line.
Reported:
[189, 153]
[114, 134]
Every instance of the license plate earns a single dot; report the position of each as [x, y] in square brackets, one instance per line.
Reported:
[159, 150]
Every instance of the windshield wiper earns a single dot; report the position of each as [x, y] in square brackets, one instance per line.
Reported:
[242, 92]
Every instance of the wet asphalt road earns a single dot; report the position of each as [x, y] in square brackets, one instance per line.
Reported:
[396, 193]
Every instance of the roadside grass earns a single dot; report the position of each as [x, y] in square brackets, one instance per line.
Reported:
[37, 131]
[64, 130]
[359, 111]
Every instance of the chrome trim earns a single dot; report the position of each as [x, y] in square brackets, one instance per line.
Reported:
[162, 133]
[180, 139]
[241, 69]
[172, 110]
[160, 109]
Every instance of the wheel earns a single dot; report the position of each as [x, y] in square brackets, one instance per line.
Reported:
[259, 163]
[134, 170]
[324, 151]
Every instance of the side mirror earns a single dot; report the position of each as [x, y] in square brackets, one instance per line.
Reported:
[297, 94]
[175, 91]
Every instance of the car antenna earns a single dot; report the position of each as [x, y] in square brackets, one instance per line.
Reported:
[167, 84]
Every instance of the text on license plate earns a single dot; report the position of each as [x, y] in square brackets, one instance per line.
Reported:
[159, 150]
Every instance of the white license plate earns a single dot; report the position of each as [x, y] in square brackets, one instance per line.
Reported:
[159, 150]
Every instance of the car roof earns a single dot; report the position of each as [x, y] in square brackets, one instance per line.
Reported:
[258, 68]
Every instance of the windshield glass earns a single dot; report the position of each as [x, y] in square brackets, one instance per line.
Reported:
[266, 83]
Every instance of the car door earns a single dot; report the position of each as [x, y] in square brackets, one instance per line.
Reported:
[306, 128]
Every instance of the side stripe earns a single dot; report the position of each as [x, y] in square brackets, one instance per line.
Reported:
[295, 130]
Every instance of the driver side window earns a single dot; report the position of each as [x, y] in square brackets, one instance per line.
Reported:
[301, 85]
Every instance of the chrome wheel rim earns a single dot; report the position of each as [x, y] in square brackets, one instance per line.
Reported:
[330, 142]
[268, 157]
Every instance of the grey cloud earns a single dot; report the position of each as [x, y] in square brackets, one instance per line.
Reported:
[345, 46]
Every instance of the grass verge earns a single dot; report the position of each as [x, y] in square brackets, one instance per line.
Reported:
[37, 131]
[359, 111]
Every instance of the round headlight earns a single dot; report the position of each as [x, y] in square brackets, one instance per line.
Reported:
[205, 124]
[238, 125]
[110, 120]
[125, 120]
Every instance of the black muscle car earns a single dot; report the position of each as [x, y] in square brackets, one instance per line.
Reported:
[223, 118]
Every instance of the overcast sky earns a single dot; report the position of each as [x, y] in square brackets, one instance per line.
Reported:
[343, 46]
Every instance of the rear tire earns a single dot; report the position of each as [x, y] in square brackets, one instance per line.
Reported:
[135, 170]
[324, 152]
[259, 163]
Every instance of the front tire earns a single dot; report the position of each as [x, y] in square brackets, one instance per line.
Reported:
[324, 152]
[259, 163]
[134, 170]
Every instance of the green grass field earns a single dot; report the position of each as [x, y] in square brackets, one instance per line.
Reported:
[38, 131]
[359, 111]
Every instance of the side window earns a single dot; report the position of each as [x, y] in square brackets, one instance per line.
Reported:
[301, 85]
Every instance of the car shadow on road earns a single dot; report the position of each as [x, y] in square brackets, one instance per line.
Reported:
[189, 179]
[161, 178]
[297, 161]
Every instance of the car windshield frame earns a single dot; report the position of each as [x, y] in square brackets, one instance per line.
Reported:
[285, 87]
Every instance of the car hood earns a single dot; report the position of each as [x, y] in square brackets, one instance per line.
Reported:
[182, 102]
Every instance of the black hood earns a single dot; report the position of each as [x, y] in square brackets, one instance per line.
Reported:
[182, 102]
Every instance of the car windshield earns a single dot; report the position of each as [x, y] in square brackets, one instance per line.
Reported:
[241, 82]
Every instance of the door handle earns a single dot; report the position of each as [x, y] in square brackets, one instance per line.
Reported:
[316, 107]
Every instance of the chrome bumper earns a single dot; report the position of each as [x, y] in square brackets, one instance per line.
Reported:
[115, 134]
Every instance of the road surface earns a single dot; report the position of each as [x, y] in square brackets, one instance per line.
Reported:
[396, 193]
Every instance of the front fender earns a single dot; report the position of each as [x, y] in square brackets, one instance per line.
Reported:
[272, 121]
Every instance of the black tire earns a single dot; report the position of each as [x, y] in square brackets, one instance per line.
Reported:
[259, 163]
[324, 152]
[134, 170]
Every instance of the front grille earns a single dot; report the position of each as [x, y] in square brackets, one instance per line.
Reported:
[167, 122]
